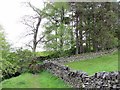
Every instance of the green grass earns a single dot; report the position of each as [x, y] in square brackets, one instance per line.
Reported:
[103, 63]
[27, 80]
[47, 80]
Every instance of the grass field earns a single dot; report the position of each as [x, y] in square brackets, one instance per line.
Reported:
[27, 80]
[103, 63]
[47, 80]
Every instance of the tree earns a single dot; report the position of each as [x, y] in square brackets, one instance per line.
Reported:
[57, 28]
[4, 45]
[83, 26]
[95, 25]
[7, 69]
[33, 22]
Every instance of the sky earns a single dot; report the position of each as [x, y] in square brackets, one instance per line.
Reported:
[11, 13]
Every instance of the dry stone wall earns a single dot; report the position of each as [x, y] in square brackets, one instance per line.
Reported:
[82, 56]
[79, 79]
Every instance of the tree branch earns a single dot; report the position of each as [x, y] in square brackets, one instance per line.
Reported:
[29, 34]
[34, 8]
[40, 39]
[29, 44]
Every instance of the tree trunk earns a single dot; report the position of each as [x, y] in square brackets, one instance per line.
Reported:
[35, 35]
[77, 39]
[56, 37]
[94, 38]
[80, 35]
[61, 34]
[71, 33]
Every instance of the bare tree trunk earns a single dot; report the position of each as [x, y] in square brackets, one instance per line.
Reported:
[35, 35]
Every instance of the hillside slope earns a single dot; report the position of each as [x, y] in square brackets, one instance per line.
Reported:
[27, 80]
[103, 63]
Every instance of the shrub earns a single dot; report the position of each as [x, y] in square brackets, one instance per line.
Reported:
[8, 69]
[35, 66]
[20, 57]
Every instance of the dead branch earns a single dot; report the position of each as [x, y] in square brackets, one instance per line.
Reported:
[40, 39]
[34, 8]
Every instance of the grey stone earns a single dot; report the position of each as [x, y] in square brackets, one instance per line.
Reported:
[80, 79]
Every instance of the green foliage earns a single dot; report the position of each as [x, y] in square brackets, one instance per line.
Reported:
[8, 69]
[16, 62]
[27, 80]
[20, 58]
[99, 64]
[54, 54]
[4, 45]
[94, 24]
[68, 27]
[57, 31]
[35, 66]
[44, 53]
[61, 53]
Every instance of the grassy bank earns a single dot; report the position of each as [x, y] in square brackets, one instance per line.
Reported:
[27, 80]
[103, 63]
